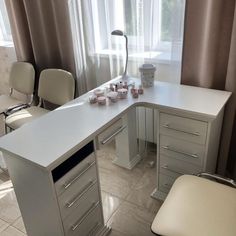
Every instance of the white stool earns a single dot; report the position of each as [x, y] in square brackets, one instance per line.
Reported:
[197, 206]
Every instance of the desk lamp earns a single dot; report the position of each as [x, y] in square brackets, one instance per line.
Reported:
[121, 33]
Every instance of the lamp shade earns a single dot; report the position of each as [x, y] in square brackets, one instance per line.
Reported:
[117, 32]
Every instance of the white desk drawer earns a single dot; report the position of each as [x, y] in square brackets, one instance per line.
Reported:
[69, 179]
[183, 128]
[89, 223]
[182, 150]
[110, 133]
[173, 167]
[165, 182]
[81, 194]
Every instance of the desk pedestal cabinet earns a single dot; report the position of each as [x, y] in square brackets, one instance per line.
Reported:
[187, 144]
[64, 201]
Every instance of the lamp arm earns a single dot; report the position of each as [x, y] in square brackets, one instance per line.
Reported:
[126, 62]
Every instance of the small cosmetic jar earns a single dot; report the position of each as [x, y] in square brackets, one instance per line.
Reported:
[132, 89]
[135, 94]
[122, 93]
[93, 99]
[113, 96]
[99, 92]
[101, 100]
[112, 87]
[140, 90]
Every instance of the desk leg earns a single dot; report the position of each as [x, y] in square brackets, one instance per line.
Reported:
[127, 151]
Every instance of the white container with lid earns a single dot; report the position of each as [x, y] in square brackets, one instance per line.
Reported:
[122, 93]
[147, 74]
[112, 96]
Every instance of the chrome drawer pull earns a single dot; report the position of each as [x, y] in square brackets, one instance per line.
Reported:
[170, 169]
[66, 186]
[167, 185]
[106, 140]
[183, 131]
[180, 152]
[74, 227]
[85, 190]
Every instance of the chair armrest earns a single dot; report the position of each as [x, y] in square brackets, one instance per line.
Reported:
[218, 177]
[16, 108]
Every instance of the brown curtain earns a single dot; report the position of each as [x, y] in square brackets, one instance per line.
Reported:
[209, 60]
[41, 33]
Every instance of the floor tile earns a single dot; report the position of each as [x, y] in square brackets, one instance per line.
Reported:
[132, 220]
[19, 224]
[11, 231]
[9, 207]
[140, 194]
[117, 233]
[110, 205]
[114, 183]
[3, 225]
[114, 179]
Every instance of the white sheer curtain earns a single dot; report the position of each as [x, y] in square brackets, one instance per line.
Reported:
[154, 29]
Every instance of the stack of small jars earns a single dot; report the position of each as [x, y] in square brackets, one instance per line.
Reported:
[115, 92]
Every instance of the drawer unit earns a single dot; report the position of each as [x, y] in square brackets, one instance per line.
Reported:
[165, 182]
[182, 150]
[174, 167]
[84, 187]
[183, 128]
[84, 225]
[184, 147]
[78, 196]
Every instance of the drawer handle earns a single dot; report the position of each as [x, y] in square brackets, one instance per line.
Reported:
[167, 185]
[183, 131]
[67, 185]
[172, 170]
[106, 140]
[85, 190]
[74, 227]
[180, 152]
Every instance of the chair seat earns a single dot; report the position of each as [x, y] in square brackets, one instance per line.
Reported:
[8, 101]
[197, 207]
[23, 116]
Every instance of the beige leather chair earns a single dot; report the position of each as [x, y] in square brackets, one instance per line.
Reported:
[197, 206]
[22, 80]
[55, 86]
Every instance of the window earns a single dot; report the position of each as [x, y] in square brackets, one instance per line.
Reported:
[151, 25]
[5, 30]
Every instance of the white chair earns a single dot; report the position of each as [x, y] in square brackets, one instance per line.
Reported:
[21, 79]
[55, 86]
[197, 206]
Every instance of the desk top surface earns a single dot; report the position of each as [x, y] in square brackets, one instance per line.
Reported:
[50, 139]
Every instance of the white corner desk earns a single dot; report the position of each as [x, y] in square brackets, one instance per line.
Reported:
[52, 161]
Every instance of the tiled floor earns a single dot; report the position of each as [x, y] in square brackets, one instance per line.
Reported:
[128, 207]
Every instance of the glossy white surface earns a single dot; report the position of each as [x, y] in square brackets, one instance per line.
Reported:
[49, 140]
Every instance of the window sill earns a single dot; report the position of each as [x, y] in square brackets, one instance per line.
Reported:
[7, 44]
[149, 57]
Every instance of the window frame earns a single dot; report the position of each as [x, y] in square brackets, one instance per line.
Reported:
[152, 42]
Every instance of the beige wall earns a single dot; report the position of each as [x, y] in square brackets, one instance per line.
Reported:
[7, 56]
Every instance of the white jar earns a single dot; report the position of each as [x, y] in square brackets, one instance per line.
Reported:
[112, 96]
[122, 93]
[147, 74]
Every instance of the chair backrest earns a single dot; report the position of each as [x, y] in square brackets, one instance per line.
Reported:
[56, 86]
[22, 77]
